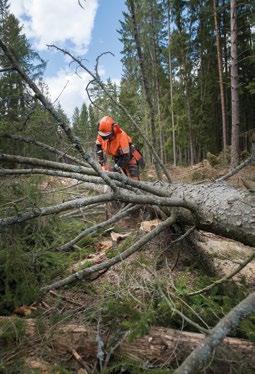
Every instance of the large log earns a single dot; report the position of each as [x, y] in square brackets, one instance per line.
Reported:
[222, 209]
[161, 346]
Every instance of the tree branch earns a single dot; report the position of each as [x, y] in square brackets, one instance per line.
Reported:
[53, 209]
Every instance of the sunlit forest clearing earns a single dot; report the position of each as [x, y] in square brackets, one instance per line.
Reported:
[137, 256]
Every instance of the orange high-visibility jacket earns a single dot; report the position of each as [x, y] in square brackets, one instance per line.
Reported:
[117, 146]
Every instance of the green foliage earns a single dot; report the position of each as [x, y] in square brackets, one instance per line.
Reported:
[247, 328]
[126, 310]
[12, 331]
[15, 99]
[126, 314]
[191, 45]
[27, 256]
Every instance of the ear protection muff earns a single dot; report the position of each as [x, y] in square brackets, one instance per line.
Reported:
[116, 128]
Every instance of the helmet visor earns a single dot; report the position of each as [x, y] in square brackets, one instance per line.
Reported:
[105, 135]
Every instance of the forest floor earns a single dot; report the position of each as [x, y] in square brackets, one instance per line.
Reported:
[126, 297]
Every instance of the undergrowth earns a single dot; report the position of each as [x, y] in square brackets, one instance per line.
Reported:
[28, 258]
[137, 309]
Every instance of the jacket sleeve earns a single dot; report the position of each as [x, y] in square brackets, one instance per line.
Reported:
[124, 151]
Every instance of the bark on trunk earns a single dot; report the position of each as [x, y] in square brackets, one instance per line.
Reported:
[220, 72]
[234, 87]
[171, 80]
[222, 210]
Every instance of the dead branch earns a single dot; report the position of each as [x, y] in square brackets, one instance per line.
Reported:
[89, 96]
[80, 3]
[97, 61]
[236, 170]
[113, 261]
[78, 358]
[56, 173]
[62, 297]
[61, 92]
[248, 161]
[199, 357]
[224, 279]
[46, 163]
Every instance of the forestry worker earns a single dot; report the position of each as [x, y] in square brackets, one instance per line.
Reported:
[113, 141]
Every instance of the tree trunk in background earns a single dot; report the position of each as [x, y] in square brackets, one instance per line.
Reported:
[156, 82]
[220, 72]
[144, 79]
[191, 140]
[225, 64]
[171, 80]
[234, 87]
[161, 138]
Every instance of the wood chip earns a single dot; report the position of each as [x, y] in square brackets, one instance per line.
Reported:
[116, 237]
[147, 226]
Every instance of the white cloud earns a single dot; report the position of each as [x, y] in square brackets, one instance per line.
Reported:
[57, 21]
[74, 94]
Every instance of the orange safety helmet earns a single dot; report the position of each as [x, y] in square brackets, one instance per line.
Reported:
[105, 126]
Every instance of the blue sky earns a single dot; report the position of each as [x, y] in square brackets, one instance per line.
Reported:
[86, 33]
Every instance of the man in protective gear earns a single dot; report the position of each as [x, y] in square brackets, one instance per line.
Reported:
[113, 141]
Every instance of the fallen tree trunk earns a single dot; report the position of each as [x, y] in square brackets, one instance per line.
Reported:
[221, 209]
[161, 346]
